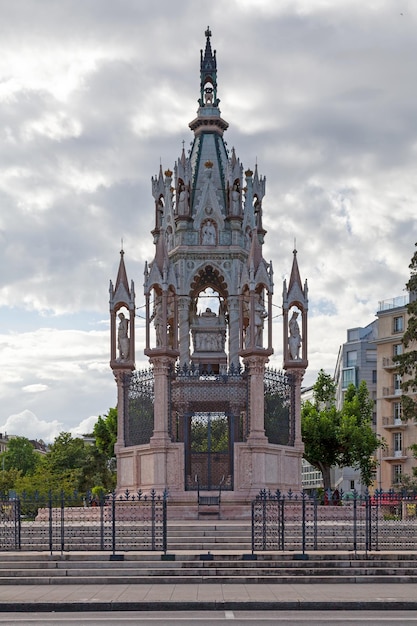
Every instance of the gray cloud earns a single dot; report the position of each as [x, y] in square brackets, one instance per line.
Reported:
[94, 96]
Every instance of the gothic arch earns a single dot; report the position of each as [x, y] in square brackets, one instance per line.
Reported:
[209, 276]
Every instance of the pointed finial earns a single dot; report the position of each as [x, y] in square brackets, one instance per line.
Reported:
[295, 246]
[208, 32]
[121, 247]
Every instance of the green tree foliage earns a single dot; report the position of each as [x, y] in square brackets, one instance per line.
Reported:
[319, 424]
[20, 455]
[105, 433]
[407, 362]
[339, 437]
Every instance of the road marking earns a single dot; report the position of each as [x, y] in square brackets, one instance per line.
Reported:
[229, 615]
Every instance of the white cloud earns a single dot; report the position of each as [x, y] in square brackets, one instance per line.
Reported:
[26, 424]
[96, 94]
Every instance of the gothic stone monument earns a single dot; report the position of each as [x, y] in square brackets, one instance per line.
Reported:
[208, 414]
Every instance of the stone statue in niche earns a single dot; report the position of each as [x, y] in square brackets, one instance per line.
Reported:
[122, 338]
[156, 317]
[260, 316]
[209, 234]
[182, 208]
[294, 341]
[235, 200]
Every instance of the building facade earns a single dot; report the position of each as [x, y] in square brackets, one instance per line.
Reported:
[396, 460]
[356, 362]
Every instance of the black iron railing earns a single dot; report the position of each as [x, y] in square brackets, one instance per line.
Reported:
[56, 522]
[334, 521]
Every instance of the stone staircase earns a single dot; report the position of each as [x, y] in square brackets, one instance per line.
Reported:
[213, 552]
[84, 569]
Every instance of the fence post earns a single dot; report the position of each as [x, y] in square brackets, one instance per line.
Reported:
[50, 521]
[164, 521]
[253, 526]
[281, 505]
[303, 521]
[102, 502]
[354, 522]
[368, 545]
[315, 513]
[153, 516]
[62, 522]
[17, 524]
[113, 525]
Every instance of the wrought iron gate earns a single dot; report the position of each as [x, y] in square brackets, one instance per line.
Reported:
[208, 449]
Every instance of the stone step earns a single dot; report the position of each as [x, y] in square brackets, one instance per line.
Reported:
[224, 568]
[311, 578]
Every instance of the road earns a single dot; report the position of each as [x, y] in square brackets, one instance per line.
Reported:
[211, 618]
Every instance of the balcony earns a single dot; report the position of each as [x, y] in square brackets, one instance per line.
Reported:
[393, 303]
[389, 454]
[391, 392]
[393, 423]
[388, 363]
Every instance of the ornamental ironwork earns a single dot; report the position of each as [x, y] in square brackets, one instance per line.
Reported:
[279, 414]
[139, 407]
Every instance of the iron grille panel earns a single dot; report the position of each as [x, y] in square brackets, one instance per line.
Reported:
[279, 414]
[139, 401]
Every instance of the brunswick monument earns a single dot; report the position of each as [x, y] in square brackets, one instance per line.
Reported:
[208, 415]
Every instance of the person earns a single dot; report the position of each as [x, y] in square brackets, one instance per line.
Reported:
[294, 341]
[209, 234]
[122, 338]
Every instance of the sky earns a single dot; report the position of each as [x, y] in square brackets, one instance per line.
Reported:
[95, 95]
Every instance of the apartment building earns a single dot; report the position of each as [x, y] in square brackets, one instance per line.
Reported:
[356, 361]
[397, 459]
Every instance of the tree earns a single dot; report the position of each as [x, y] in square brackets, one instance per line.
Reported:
[339, 437]
[20, 455]
[105, 433]
[407, 362]
[319, 424]
[357, 438]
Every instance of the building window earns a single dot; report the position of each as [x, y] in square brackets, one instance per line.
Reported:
[397, 384]
[374, 376]
[398, 444]
[352, 484]
[371, 355]
[352, 358]
[397, 472]
[398, 326]
[348, 377]
[397, 349]
[397, 410]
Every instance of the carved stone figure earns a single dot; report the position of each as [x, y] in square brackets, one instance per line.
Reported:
[209, 234]
[183, 201]
[260, 315]
[294, 341]
[158, 321]
[235, 200]
[122, 338]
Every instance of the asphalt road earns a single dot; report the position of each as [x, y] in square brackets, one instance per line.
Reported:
[210, 618]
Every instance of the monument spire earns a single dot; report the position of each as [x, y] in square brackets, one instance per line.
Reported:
[208, 74]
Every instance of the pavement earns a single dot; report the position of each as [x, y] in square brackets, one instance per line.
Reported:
[208, 596]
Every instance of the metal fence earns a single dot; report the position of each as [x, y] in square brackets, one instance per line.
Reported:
[62, 523]
[351, 522]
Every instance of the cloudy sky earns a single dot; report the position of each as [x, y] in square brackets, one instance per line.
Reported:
[95, 94]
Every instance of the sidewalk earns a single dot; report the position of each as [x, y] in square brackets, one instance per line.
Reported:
[208, 596]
